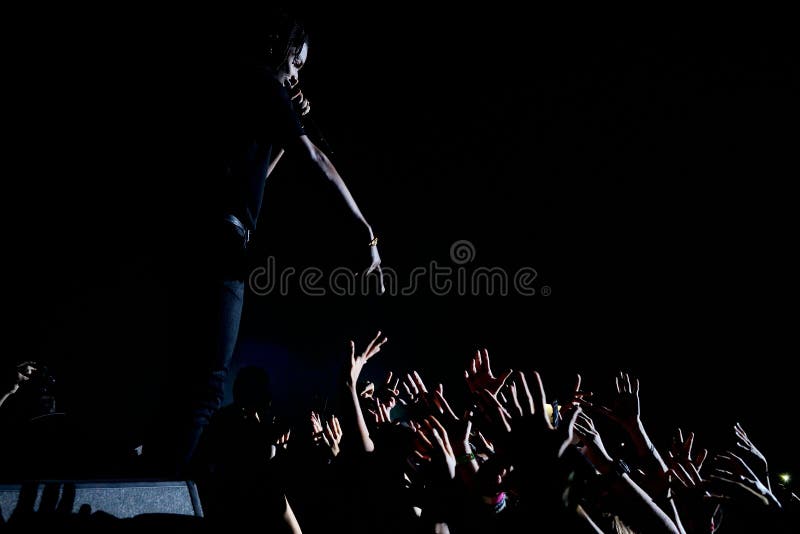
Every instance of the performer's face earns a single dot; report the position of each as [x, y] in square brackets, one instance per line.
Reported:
[289, 73]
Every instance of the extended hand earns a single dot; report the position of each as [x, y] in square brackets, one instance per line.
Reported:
[376, 264]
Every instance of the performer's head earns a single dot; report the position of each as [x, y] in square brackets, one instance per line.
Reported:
[275, 39]
[287, 47]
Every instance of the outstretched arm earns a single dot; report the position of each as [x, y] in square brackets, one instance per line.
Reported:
[322, 166]
[351, 382]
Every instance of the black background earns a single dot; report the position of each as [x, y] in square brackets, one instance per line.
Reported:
[645, 174]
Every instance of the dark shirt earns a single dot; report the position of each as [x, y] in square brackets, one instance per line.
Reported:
[257, 118]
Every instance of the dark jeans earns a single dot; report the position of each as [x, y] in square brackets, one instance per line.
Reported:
[206, 310]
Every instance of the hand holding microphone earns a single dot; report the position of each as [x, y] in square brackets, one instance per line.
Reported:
[301, 103]
[303, 107]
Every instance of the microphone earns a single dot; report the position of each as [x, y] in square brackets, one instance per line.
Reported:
[310, 126]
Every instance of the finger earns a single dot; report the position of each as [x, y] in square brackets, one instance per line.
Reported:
[539, 400]
[742, 462]
[486, 364]
[628, 383]
[676, 476]
[371, 343]
[685, 474]
[582, 430]
[701, 458]
[586, 421]
[445, 405]
[380, 277]
[375, 347]
[420, 383]
[679, 437]
[412, 384]
[515, 398]
[423, 435]
[694, 473]
[467, 429]
[336, 426]
[479, 361]
[687, 446]
[503, 378]
[438, 426]
[528, 397]
[491, 402]
[485, 441]
[439, 439]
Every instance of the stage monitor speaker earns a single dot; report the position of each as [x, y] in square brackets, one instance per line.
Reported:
[119, 498]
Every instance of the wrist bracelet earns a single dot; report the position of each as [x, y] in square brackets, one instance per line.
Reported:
[374, 242]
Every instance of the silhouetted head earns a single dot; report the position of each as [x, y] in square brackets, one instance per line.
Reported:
[275, 39]
[251, 388]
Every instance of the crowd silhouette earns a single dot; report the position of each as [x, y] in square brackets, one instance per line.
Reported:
[404, 456]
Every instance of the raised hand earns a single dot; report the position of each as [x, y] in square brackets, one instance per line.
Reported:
[625, 408]
[280, 444]
[537, 424]
[733, 474]
[300, 102]
[376, 265]
[332, 435]
[389, 392]
[743, 442]
[681, 452]
[316, 426]
[357, 362]
[356, 365]
[416, 392]
[593, 447]
[381, 413]
[479, 374]
[435, 442]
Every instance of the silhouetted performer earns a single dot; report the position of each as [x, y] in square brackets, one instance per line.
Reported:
[248, 106]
